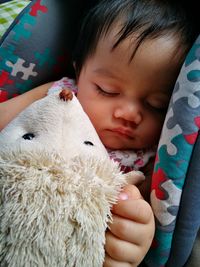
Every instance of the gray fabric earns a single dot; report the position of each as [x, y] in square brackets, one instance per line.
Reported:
[188, 221]
[194, 259]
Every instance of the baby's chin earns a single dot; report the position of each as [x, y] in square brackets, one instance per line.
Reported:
[112, 146]
[116, 146]
[116, 143]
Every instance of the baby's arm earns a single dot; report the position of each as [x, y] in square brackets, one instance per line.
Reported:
[131, 233]
[11, 108]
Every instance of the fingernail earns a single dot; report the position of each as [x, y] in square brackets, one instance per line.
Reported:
[123, 196]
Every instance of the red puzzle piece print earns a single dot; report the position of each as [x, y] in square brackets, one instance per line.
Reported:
[62, 62]
[191, 138]
[3, 96]
[154, 243]
[197, 121]
[4, 78]
[37, 7]
[158, 179]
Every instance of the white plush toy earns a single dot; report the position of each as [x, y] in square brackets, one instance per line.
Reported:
[57, 186]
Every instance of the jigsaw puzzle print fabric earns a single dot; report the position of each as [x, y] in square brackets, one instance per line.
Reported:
[178, 137]
[27, 59]
[11, 64]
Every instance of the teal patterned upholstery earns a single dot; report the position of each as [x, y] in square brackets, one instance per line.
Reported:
[178, 223]
[37, 47]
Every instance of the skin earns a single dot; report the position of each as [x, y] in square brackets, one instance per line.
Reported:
[130, 235]
[126, 101]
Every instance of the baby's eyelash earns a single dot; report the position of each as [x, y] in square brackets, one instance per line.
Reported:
[156, 109]
[105, 93]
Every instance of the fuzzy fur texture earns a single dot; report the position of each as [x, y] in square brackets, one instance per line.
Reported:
[55, 213]
[55, 191]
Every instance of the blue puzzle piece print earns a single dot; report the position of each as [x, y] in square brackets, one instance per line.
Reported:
[194, 76]
[186, 88]
[7, 53]
[173, 210]
[185, 122]
[44, 58]
[158, 257]
[21, 30]
[175, 166]
[194, 53]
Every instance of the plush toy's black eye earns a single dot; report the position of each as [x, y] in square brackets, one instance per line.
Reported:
[88, 143]
[28, 136]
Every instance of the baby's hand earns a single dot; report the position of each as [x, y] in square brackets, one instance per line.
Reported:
[130, 235]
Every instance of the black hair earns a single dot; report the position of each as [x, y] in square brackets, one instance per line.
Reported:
[149, 18]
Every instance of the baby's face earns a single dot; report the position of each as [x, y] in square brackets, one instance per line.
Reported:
[127, 100]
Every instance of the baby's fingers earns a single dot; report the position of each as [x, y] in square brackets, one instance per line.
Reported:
[109, 262]
[137, 210]
[122, 251]
[130, 231]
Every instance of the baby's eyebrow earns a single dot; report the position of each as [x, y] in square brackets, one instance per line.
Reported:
[104, 72]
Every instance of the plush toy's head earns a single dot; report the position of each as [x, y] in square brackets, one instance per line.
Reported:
[57, 186]
[53, 125]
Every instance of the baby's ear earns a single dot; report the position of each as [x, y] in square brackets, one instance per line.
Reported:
[134, 177]
[75, 69]
[74, 65]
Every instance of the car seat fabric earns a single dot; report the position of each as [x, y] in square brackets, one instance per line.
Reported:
[194, 257]
[188, 220]
[175, 183]
[37, 46]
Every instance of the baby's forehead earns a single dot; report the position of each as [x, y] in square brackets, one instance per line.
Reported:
[115, 36]
[154, 64]
[110, 42]
[162, 46]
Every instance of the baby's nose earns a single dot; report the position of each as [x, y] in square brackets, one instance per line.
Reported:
[129, 112]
